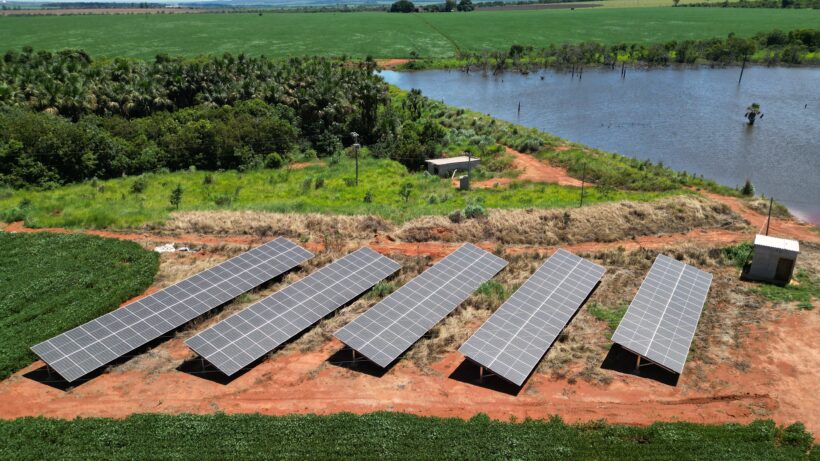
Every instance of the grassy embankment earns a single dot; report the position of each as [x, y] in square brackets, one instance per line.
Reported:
[391, 436]
[385, 35]
[326, 189]
[50, 283]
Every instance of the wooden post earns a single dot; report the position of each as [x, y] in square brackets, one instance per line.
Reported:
[769, 219]
[741, 69]
[583, 179]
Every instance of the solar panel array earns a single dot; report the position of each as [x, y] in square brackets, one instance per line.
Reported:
[661, 321]
[82, 350]
[239, 340]
[515, 338]
[387, 329]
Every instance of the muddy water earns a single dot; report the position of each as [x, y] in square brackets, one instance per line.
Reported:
[691, 120]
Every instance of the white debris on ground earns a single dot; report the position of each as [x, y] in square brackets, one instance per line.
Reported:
[170, 248]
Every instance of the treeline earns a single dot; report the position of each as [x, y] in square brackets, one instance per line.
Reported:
[65, 118]
[775, 47]
[813, 4]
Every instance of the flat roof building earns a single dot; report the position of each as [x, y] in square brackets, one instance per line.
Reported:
[446, 166]
[773, 260]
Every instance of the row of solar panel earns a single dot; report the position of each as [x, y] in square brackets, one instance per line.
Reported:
[510, 343]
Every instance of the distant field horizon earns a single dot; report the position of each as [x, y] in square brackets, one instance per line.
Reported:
[384, 35]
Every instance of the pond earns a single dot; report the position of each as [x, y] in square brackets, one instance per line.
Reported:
[689, 119]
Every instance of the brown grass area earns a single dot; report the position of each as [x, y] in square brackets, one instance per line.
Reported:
[316, 227]
[599, 223]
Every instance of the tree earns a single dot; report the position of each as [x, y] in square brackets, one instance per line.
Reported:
[748, 189]
[675, 2]
[465, 5]
[752, 112]
[405, 191]
[176, 197]
[449, 5]
[402, 6]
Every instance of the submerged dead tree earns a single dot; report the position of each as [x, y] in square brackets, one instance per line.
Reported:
[752, 112]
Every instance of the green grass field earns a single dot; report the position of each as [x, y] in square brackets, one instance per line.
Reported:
[50, 283]
[114, 204]
[391, 436]
[383, 34]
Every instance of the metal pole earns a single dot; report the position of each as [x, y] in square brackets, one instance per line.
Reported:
[583, 180]
[769, 219]
[356, 147]
[469, 167]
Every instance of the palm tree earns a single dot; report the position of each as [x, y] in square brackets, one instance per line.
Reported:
[752, 112]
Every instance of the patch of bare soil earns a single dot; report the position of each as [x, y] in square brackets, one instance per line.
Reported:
[532, 170]
[390, 63]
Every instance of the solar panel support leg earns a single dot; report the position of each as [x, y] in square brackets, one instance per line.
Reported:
[481, 374]
[638, 364]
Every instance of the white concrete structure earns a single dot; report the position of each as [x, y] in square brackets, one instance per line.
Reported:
[445, 166]
[773, 260]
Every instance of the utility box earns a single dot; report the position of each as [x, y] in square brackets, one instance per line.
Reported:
[773, 260]
[446, 166]
[464, 182]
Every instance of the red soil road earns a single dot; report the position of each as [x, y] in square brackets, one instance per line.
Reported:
[532, 170]
[779, 385]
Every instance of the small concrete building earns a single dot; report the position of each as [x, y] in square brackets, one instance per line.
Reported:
[446, 166]
[773, 260]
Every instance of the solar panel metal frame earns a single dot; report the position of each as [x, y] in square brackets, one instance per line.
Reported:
[389, 328]
[83, 349]
[248, 335]
[516, 337]
[660, 323]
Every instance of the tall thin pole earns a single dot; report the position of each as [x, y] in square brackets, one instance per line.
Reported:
[769, 219]
[356, 147]
[741, 69]
[583, 180]
[469, 166]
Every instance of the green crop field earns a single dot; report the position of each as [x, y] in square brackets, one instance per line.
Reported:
[383, 34]
[50, 283]
[391, 436]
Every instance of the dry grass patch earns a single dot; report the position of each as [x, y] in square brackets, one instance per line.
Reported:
[600, 223]
[309, 226]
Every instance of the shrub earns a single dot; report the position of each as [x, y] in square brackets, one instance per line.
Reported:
[368, 197]
[455, 217]
[748, 189]
[139, 185]
[307, 183]
[320, 182]
[474, 210]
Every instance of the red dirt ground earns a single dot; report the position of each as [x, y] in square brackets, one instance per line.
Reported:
[779, 385]
[390, 63]
[533, 170]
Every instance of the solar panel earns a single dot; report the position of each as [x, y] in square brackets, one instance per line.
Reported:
[84, 349]
[515, 338]
[239, 340]
[387, 329]
[661, 320]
